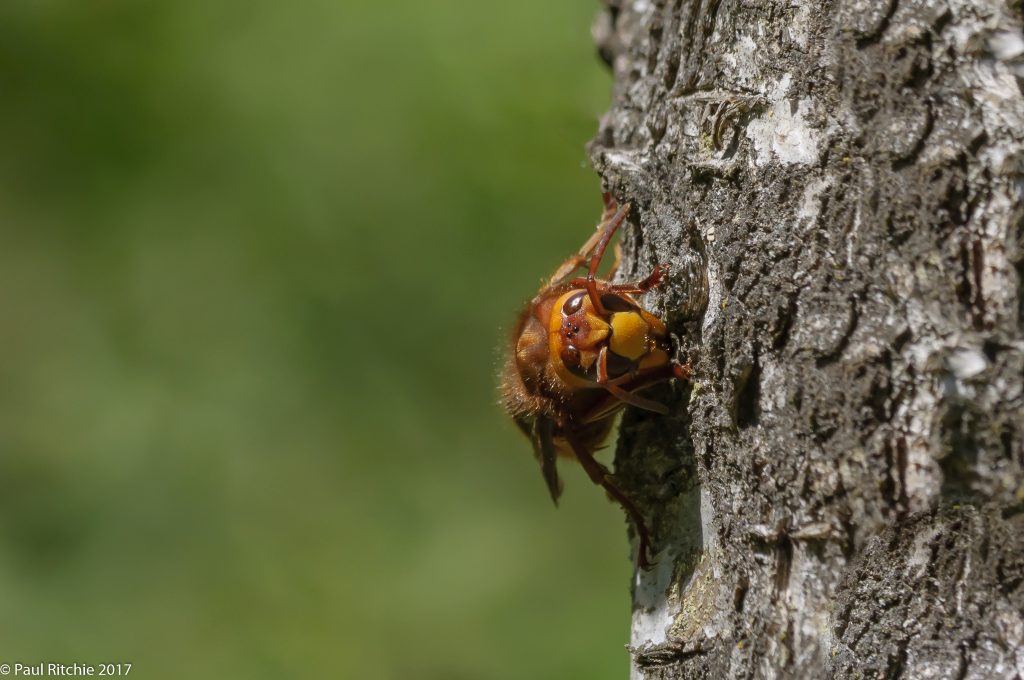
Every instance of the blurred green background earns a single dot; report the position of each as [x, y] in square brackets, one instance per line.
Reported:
[255, 262]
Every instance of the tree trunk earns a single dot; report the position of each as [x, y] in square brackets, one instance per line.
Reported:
[836, 187]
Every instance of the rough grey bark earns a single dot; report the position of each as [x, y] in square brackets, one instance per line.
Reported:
[837, 187]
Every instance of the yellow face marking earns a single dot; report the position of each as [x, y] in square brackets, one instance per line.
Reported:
[629, 335]
[593, 331]
[599, 330]
[656, 358]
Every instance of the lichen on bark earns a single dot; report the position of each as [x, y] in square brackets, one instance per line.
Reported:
[837, 190]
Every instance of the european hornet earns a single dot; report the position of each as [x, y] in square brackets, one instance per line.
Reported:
[582, 349]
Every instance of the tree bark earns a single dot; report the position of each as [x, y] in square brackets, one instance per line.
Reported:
[837, 188]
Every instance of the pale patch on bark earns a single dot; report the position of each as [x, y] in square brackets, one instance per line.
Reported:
[783, 133]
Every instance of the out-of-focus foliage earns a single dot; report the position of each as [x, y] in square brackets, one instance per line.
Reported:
[255, 259]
